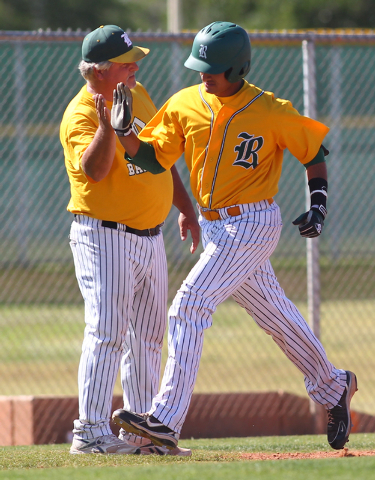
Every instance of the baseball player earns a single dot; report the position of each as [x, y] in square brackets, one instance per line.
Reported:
[117, 244]
[233, 135]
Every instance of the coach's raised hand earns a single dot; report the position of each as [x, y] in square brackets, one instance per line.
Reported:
[122, 110]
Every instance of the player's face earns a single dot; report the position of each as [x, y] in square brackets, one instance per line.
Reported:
[219, 85]
[122, 72]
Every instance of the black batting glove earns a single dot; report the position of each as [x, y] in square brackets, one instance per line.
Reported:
[310, 224]
[122, 110]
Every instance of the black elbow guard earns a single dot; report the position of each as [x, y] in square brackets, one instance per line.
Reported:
[146, 159]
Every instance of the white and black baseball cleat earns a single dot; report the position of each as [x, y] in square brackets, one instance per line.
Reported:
[151, 449]
[147, 426]
[107, 444]
[339, 418]
[148, 448]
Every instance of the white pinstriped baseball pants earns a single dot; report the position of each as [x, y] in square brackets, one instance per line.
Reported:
[236, 262]
[123, 279]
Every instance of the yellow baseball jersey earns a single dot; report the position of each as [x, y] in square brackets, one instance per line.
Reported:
[127, 194]
[233, 145]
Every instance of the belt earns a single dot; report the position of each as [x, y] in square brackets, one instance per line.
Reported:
[215, 215]
[231, 212]
[148, 232]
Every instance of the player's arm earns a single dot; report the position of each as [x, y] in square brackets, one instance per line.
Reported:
[311, 223]
[98, 157]
[140, 153]
[187, 219]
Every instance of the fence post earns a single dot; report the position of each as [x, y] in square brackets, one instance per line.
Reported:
[312, 244]
[335, 158]
[19, 75]
[174, 16]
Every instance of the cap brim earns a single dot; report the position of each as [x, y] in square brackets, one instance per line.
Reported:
[200, 66]
[133, 55]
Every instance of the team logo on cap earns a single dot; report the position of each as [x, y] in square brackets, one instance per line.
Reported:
[202, 51]
[126, 39]
[247, 151]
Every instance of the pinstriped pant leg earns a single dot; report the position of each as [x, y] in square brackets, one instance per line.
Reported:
[140, 365]
[264, 299]
[232, 250]
[107, 272]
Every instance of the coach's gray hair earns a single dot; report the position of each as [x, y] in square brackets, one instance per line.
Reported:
[87, 68]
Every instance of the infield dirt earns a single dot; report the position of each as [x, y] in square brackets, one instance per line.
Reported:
[304, 455]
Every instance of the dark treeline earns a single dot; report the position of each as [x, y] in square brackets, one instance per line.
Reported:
[151, 15]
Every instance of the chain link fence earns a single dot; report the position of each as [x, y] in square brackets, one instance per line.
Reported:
[41, 310]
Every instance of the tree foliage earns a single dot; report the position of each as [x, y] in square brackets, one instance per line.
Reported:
[64, 14]
[152, 14]
[281, 14]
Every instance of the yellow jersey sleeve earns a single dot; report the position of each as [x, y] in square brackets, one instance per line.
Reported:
[301, 135]
[165, 133]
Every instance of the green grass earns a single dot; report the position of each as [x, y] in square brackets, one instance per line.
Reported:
[239, 357]
[55, 282]
[41, 345]
[212, 459]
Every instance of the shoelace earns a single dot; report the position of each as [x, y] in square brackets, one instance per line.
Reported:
[335, 412]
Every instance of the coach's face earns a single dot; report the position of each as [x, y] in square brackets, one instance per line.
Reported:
[121, 72]
[218, 85]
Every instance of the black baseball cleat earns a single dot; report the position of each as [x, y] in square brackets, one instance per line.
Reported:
[147, 426]
[339, 420]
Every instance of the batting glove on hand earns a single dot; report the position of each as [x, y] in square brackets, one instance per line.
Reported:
[122, 110]
[310, 224]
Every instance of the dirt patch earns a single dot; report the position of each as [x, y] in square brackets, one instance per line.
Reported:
[345, 452]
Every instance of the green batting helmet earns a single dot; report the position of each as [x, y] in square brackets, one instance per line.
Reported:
[221, 47]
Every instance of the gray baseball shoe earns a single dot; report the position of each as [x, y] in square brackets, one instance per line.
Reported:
[339, 419]
[147, 426]
[107, 444]
[148, 448]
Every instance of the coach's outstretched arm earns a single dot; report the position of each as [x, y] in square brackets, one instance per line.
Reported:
[140, 153]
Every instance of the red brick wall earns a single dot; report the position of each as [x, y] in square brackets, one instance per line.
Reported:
[28, 420]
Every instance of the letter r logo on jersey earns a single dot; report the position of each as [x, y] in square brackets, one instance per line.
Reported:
[247, 150]
[202, 51]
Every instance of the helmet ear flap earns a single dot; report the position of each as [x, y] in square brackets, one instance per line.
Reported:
[233, 75]
[228, 72]
[245, 69]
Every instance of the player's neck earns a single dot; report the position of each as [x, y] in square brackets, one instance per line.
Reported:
[231, 90]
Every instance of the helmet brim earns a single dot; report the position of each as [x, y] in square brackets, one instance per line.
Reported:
[201, 66]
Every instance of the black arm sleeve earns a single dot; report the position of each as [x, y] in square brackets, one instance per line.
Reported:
[318, 195]
[319, 157]
[146, 159]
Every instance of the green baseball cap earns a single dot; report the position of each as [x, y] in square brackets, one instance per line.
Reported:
[111, 43]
